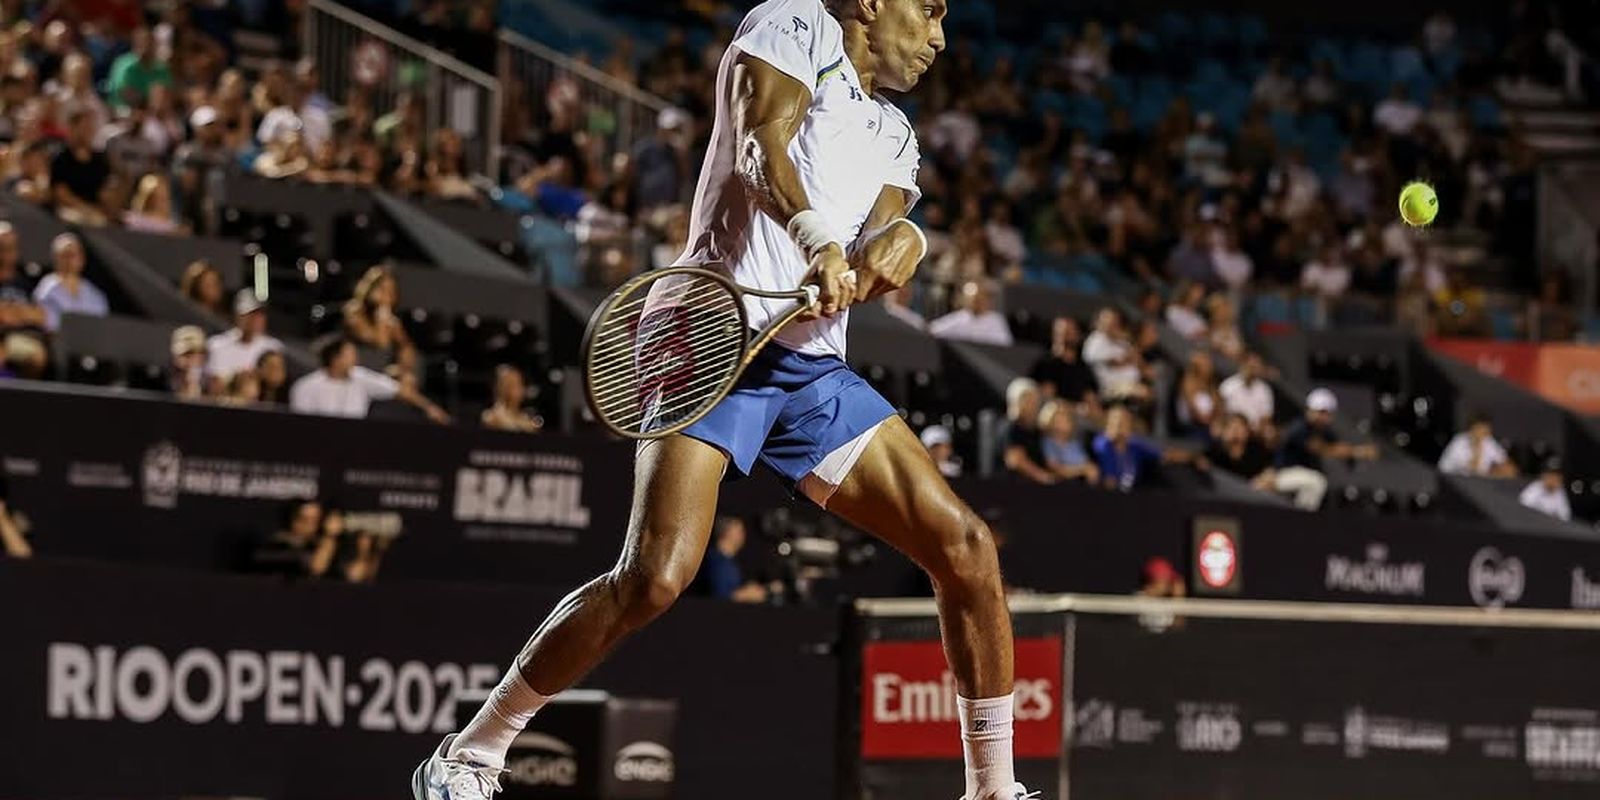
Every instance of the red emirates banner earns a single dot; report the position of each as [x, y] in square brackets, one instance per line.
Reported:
[908, 701]
[1565, 374]
[1517, 362]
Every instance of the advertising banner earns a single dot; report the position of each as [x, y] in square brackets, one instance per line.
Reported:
[1565, 374]
[178, 684]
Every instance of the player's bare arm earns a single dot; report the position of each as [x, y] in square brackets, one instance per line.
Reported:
[768, 108]
[886, 254]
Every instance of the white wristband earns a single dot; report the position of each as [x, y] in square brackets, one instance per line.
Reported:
[922, 238]
[811, 233]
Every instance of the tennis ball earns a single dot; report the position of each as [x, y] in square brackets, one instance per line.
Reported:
[1418, 204]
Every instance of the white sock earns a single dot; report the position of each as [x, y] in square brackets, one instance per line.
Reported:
[488, 736]
[986, 744]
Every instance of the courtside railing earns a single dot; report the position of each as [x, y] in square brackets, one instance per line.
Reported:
[356, 53]
[537, 79]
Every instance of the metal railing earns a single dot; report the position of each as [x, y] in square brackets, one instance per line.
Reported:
[356, 54]
[612, 110]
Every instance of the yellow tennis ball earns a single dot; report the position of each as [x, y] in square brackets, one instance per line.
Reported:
[1418, 204]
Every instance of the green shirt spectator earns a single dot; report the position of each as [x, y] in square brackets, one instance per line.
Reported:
[134, 72]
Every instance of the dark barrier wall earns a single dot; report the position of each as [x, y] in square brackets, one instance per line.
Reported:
[1152, 708]
[137, 480]
[156, 683]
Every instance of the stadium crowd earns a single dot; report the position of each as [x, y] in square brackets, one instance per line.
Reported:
[1255, 171]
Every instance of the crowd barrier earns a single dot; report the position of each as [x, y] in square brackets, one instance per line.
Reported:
[138, 480]
[1125, 699]
[177, 684]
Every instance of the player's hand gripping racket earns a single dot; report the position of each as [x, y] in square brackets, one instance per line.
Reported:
[667, 346]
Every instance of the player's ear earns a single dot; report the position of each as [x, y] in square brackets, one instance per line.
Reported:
[866, 11]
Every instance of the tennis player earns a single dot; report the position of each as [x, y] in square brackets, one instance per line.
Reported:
[809, 175]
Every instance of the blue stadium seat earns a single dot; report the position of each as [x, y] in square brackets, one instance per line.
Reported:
[1503, 324]
[1485, 112]
[1252, 32]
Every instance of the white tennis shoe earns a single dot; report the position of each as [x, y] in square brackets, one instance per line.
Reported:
[1016, 792]
[445, 778]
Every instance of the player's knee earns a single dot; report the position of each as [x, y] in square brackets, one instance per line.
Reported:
[645, 594]
[967, 560]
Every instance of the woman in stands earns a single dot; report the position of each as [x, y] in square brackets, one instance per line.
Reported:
[272, 372]
[1198, 399]
[447, 169]
[370, 318]
[202, 284]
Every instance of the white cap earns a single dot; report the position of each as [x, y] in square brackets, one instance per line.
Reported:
[935, 435]
[1322, 400]
[202, 116]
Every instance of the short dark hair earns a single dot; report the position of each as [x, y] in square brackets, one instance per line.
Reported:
[1480, 418]
[331, 348]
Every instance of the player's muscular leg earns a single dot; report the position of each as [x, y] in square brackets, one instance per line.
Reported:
[896, 493]
[674, 503]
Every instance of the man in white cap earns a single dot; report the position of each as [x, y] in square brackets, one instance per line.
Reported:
[197, 158]
[937, 439]
[1310, 440]
[661, 161]
[241, 347]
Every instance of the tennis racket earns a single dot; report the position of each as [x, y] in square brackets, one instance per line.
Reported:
[664, 348]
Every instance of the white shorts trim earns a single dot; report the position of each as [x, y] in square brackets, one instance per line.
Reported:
[826, 477]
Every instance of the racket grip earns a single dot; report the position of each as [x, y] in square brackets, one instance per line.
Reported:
[813, 294]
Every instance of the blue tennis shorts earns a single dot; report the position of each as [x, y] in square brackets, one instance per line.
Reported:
[791, 410]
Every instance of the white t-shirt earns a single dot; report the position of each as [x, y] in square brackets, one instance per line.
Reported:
[1326, 280]
[321, 393]
[849, 148]
[1100, 351]
[1253, 399]
[1187, 321]
[228, 353]
[1457, 457]
[1545, 501]
[965, 326]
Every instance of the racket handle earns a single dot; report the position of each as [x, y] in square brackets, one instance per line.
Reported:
[813, 294]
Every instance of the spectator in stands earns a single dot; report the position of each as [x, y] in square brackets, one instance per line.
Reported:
[202, 284]
[1111, 354]
[273, 373]
[1063, 450]
[130, 152]
[80, 175]
[186, 374]
[661, 170]
[5, 361]
[150, 209]
[1247, 393]
[371, 318]
[13, 543]
[1548, 494]
[1062, 374]
[1223, 319]
[65, 290]
[197, 159]
[295, 113]
[134, 72]
[1007, 248]
[1242, 455]
[446, 170]
[936, 438]
[1397, 114]
[343, 388]
[507, 414]
[244, 389]
[1125, 460]
[1550, 316]
[303, 548]
[975, 318]
[1024, 453]
[242, 346]
[1328, 275]
[32, 182]
[1474, 452]
[286, 157]
[1161, 579]
[75, 90]
[1460, 309]
[1191, 260]
[1233, 265]
[365, 557]
[19, 314]
[1183, 313]
[724, 578]
[1199, 401]
[1310, 440]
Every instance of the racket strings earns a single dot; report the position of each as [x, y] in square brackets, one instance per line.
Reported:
[664, 351]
